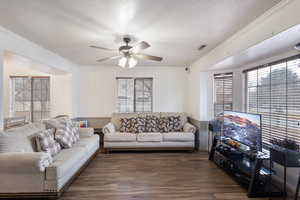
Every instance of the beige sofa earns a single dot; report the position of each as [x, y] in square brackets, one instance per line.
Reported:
[22, 173]
[115, 140]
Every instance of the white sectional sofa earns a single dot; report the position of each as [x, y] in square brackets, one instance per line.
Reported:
[116, 140]
[21, 172]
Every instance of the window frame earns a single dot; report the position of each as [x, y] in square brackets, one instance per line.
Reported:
[215, 92]
[134, 91]
[285, 85]
[31, 111]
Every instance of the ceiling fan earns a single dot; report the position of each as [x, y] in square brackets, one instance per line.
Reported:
[128, 55]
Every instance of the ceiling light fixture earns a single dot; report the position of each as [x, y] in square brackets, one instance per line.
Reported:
[132, 62]
[123, 62]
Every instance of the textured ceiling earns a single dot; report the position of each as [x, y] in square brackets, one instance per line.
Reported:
[174, 28]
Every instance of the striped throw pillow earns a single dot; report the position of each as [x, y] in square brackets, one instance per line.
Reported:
[76, 127]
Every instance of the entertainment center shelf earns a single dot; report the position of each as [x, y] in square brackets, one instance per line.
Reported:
[248, 169]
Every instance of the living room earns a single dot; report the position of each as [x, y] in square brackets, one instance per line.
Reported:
[169, 70]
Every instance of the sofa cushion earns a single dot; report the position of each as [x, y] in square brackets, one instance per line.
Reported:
[152, 123]
[46, 143]
[164, 124]
[116, 118]
[175, 124]
[183, 116]
[88, 143]
[138, 124]
[64, 162]
[120, 137]
[145, 114]
[178, 137]
[126, 125]
[149, 137]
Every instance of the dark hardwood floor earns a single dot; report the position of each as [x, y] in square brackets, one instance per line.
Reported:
[159, 176]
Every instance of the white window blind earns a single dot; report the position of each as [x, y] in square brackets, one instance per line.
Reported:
[273, 90]
[222, 92]
[134, 94]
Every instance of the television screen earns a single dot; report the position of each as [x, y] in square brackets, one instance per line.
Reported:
[243, 127]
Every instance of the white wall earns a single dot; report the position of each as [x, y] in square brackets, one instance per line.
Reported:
[60, 83]
[95, 88]
[21, 46]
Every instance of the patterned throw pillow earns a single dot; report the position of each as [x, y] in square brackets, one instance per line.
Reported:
[152, 123]
[164, 124]
[45, 142]
[76, 127]
[125, 125]
[175, 124]
[64, 134]
[138, 124]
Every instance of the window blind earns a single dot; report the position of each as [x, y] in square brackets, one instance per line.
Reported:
[134, 94]
[273, 90]
[30, 97]
[222, 92]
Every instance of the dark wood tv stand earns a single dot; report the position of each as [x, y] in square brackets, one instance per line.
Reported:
[247, 169]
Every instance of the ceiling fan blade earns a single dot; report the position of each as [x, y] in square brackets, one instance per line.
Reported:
[103, 48]
[140, 46]
[148, 57]
[109, 58]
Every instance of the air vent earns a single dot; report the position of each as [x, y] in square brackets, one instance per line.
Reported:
[202, 47]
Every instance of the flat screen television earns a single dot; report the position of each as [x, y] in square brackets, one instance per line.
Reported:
[244, 128]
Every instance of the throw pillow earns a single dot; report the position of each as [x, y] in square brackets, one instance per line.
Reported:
[152, 123]
[45, 142]
[126, 125]
[75, 130]
[175, 124]
[164, 124]
[76, 127]
[64, 134]
[138, 124]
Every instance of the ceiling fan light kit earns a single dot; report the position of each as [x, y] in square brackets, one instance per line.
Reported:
[122, 62]
[132, 62]
[128, 54]
[126, 62]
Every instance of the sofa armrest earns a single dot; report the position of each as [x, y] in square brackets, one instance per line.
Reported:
[86, 132]
[109, 128]
[189, 128]
[21, 162]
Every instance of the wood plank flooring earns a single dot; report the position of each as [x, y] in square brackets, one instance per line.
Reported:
[159, 176]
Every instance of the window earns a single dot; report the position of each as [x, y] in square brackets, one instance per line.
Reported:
[30, 97]
[273, 90]
[134, 94]
[222, 92]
